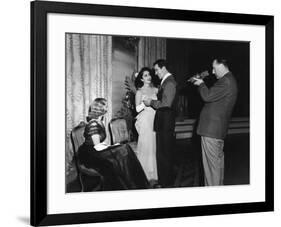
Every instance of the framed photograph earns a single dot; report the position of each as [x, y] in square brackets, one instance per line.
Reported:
[145, 113]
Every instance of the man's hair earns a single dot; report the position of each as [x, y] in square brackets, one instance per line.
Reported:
[223, 61]
[161, 63]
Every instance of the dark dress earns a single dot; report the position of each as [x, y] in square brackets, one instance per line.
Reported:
[117, 167]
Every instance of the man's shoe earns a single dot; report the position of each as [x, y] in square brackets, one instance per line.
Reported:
[157, 186]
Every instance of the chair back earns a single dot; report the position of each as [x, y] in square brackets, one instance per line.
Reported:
[77, 137]
[77, 140]
[84, 174]
[119, 131]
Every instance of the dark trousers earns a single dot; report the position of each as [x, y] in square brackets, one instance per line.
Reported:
[164, 157]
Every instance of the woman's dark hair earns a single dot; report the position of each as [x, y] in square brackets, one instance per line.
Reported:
[138, 80]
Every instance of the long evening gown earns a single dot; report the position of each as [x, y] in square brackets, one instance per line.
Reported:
[146, 147]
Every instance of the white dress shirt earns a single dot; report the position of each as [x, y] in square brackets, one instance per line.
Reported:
[165, 77]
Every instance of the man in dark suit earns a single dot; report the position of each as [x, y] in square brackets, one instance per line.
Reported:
[214, 120]
[164, 122]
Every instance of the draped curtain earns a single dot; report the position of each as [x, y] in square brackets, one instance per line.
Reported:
[88, 76]
[149, 50]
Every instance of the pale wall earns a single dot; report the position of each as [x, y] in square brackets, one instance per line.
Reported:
[123, 64]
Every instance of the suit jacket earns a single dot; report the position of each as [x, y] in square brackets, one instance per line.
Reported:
[165, 106]
[219, 102]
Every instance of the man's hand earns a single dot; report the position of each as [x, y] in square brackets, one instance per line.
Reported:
[197, 81]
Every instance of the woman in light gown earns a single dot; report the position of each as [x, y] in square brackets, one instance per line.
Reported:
[146, 146]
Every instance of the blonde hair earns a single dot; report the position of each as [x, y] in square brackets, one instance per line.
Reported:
[97, 108]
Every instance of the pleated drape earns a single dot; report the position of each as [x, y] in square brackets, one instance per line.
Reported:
[149, 50]
[88, 76]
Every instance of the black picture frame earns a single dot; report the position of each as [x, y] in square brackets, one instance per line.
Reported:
[39, 11]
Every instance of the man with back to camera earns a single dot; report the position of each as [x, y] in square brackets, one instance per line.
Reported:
[214, 119]
[164, 122]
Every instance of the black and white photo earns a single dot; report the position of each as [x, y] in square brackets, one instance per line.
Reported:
[154, 98]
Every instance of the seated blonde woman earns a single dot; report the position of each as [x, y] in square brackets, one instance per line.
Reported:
[118, 165]
[95, 131]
